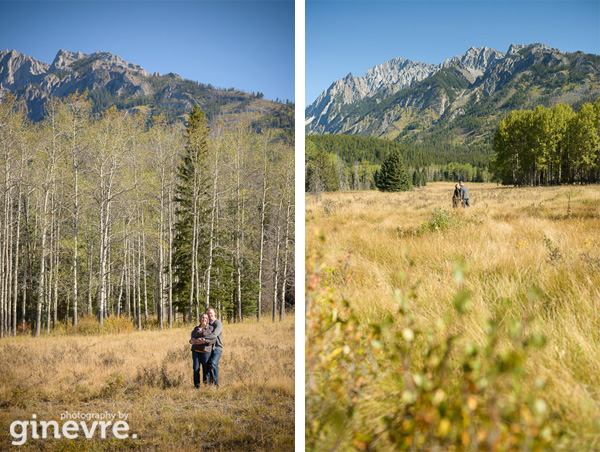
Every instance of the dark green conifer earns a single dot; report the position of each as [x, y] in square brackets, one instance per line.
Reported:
[392, 176]
[190, 195]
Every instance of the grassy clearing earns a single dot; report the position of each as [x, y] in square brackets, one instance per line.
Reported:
[531, 258]
[148, 374]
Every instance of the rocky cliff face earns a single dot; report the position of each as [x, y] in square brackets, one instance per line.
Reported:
[391, 77]
[477, 60]
[402, 99]
[17, 70]
[111, 80]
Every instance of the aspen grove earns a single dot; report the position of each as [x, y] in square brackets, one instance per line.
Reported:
[106, 215]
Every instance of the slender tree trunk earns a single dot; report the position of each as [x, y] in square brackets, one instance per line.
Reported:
[89, 269]
[127, 278]
[109, 285]
[121, 281]
[160, 264]
[170, 258]
[238, 241]
[213, 213]
[276, 262]
[4, 259]
[51, 258]
[9, 261]
[76, 243]
[138, 284]
[101, 264]
[48, 290]
[285, 261]
[41, 280]
[56, 267]
[27, 283]
[18, 238]
[263, 207]
[194, 263]
[144, 269]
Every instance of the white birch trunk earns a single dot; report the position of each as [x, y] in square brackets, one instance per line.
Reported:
[41, 280]
[213, 212]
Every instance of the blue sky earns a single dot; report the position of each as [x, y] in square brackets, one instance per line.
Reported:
[353, 36]
[247, 44]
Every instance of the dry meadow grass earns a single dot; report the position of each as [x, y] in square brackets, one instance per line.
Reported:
[532, 254]
[148, 374]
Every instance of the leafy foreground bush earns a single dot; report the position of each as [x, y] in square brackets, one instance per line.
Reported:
[441, 219]
[394, 386]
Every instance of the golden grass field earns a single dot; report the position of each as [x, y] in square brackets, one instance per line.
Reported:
[148, 374]
[531, 254]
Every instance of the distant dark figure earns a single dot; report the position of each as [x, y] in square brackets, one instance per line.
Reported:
[456, 201]
[464, 194]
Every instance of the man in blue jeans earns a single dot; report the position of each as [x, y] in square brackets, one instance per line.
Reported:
[215, 355]
[464, 193]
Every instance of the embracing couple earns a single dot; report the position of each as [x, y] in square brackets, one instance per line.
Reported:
[461, 195]
[207, 346]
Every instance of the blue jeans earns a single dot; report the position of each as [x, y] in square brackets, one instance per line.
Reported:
[200, 359]
[213, 363]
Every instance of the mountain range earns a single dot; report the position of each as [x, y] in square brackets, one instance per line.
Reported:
[110, 80]
[461, 100]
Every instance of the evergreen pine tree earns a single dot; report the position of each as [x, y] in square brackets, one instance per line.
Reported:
[392, 176]
[190, 194]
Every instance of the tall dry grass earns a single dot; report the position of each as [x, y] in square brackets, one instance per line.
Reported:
[148, 374]
[532, 254]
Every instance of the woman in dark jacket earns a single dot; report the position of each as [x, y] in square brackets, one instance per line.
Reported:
[456, 201]
[201, 351]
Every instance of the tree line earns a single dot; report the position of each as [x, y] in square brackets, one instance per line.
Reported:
[353, 162]
[113, 214]
[549, 146]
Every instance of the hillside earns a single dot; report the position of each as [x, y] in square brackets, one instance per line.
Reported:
[110, 80]
[457, 103]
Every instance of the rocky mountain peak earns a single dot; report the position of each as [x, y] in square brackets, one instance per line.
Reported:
[477, 60]
[17, 69]
[515, 49]
[64, 59]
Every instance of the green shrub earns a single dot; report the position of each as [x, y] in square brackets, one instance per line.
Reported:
[553, 249]
[440, 219]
